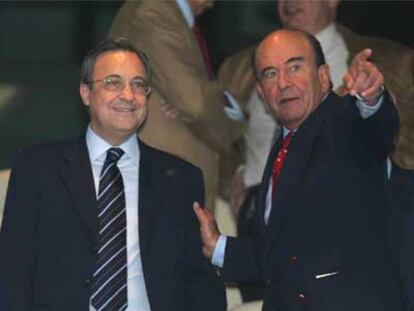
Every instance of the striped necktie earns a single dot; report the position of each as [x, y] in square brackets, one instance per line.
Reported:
[109, 284]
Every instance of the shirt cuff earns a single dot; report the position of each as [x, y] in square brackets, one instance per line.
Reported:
[368, 110]
[233, 110]
[218, 255]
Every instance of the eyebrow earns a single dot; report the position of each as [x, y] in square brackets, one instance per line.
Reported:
[290, 60]
[295, 59]
[134, 78]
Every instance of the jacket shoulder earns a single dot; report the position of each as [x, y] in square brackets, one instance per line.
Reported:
[45, 153]
[167, 159]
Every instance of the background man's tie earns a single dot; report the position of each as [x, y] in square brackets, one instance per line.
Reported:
[109, 284]
[202, 43]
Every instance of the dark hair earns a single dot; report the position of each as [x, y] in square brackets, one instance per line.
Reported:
[313, 42]
[108, 45]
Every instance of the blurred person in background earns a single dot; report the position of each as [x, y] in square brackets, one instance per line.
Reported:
[190, 115]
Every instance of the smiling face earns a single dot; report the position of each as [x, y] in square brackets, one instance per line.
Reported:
[290, 82]
[115, 115]
[307, 15]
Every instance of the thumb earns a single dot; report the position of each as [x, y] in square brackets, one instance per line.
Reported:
[200, 213]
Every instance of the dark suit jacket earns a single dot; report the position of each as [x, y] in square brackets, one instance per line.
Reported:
[49, 232]
[401, 195]
[329, 215]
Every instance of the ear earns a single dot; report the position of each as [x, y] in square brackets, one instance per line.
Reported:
[84, 92]
[260, 90]
[324, 77]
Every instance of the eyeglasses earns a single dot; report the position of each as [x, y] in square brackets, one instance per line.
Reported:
[118, 84]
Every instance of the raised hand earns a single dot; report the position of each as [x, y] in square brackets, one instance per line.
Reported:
[363, 79]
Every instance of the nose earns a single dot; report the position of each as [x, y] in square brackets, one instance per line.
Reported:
[283, 80]
[127, 93]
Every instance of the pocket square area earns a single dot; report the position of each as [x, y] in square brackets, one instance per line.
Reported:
[325, 275]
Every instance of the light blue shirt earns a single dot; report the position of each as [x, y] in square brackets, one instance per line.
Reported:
[128, 164]
[187, 12]
[218, 255]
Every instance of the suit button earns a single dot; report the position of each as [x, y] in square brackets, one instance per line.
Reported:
[268, 281]
[302, 297]
[87, 281]
[293, 259]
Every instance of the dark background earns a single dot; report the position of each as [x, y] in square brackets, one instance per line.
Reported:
[42, 45]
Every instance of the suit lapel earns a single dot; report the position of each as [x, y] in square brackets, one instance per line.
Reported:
[76, 173]
[150, 196]
[261, 202]
[303, 150]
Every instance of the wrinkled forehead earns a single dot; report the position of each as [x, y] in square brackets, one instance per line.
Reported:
[279, 47]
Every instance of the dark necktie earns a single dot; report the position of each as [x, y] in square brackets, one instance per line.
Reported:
[198, 34]
[280, 158]
[109, 284]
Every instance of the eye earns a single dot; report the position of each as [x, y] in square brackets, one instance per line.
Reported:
[269, 73]
[295, 67]
[138, 84]
[113, 83]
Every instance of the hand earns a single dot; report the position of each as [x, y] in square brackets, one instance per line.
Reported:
[208, 229]
[169, 110]
[363, 78]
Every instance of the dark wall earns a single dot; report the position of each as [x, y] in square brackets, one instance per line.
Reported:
[235, 24]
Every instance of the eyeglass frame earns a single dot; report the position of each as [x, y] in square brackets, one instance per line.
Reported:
[104, 80]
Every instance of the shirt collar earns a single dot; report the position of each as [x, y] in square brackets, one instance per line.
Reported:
[286, 131]
[187, 12]
[98, 147]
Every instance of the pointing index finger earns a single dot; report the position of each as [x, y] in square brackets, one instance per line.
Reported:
[361, 58]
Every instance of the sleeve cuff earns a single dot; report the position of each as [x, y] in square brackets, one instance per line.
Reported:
[218, 255]
[368, 110]
[233, 109]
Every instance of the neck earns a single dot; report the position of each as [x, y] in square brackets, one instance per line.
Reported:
[111, 138]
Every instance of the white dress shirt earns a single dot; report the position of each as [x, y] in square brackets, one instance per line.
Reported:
[261, 131]
[128, 164]
[336, 53]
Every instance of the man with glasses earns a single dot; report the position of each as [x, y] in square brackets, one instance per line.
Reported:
[104, 222]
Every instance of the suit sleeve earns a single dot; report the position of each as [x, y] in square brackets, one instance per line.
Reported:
[17, 239]
[179, 73]
[375, 135]
[205, 288]
[242, 260]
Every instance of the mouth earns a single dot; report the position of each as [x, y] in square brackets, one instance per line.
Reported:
[124, 109]
[288, 100]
